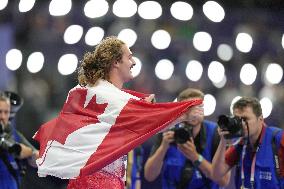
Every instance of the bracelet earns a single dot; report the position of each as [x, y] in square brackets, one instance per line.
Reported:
[197, 162]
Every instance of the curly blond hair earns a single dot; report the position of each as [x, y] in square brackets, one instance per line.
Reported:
[96, 64]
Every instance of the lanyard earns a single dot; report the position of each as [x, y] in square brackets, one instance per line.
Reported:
[252, 170]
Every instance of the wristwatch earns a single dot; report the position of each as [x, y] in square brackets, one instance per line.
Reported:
[197, 162]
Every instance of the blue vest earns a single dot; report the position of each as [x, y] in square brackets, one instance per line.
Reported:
[265, 175]
[174, 162]
[7, 181]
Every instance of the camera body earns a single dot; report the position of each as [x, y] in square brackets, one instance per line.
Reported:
[8, 144]
[182, 134]
[234, 125]
[11, 146]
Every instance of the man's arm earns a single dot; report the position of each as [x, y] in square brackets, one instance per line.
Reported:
[189, 150]
[154, 164]
[219, 164]
[27, 150]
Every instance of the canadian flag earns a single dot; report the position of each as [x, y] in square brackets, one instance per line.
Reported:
[97, 125]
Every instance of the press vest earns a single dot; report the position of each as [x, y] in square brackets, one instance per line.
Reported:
[7, 181]
[174, 162]
[265, 175]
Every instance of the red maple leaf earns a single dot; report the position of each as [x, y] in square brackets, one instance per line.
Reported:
[72, 117]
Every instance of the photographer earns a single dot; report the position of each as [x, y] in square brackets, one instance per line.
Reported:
[184, 162]
[14, 148]
[259, 154]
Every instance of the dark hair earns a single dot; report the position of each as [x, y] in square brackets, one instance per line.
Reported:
[249, 102]
[190, 93]
[96, 65]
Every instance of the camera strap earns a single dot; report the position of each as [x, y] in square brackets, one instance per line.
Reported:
[203, 141]
[9, 167]
[252, 171]
[186, 175]
[215, 142]
[188, 169]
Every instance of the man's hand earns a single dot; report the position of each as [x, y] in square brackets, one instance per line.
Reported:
[26, 152]
[150, 98]
[189, 150]
[154, 164]
[223, 141]
[33, 158]
[168, 137]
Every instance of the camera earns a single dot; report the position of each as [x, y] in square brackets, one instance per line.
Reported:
[11, 146]
[8, 144]
[182, 134]
[232, 124]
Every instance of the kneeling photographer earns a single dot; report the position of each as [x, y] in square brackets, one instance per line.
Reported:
[14, 148]
[183, 154]
[257, 156]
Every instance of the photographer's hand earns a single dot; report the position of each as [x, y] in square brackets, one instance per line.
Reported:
[189, 150]
[168, 137]
[222, 134]
[154, 164]
[26, 151]
[219, 166]
[33, 158]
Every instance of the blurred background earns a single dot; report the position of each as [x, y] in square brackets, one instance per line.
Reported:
[226, 48]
